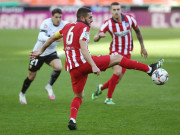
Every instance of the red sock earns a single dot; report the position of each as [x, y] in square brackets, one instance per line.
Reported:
[112, 84]
[131, 64]
[74, 107]
[105, 85]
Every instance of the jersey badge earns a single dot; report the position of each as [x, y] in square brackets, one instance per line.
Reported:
[45, 26]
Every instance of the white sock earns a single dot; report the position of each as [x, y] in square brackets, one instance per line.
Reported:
[48, 85]
[73, 120]
[150, 69]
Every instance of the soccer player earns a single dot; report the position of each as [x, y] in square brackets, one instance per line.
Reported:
[120, 28]
[80, 63]
[48, 28]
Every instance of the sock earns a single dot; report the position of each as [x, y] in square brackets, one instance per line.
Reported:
[131, 64]
[105, 85]
[75, 104]
[73, 120]
[26, 85]
[112, 84]
[54, 76]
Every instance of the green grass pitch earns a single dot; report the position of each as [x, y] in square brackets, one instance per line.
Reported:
[142, 108]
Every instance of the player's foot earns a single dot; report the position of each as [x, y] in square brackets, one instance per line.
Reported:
[155, 66]
[22, 98]
[109, 101]
[72, 125]
[50, 92]
[97, 92]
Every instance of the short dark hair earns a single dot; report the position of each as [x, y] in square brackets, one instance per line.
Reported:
[83, 11]
[114, 3]
[56, 10]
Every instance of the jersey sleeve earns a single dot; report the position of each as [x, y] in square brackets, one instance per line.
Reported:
[43, 36]
[134, 23]
[44, 26]
[104, 27]
[84, 34]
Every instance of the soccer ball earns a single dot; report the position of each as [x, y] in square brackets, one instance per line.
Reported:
[160, 76]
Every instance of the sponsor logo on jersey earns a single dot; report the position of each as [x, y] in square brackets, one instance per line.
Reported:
[122, 33]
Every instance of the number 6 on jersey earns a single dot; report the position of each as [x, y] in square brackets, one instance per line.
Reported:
[69, 37]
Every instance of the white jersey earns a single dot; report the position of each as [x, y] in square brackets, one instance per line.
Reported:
[47, 29]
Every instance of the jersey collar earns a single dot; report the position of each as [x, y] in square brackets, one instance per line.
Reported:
[123, 19]
[82, 22]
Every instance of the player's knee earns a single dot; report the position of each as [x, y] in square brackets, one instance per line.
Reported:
[58, 69]
[31, 76]
[117, 58]
[79, 95]
[118, 72]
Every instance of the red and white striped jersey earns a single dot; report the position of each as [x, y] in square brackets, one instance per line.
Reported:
[121, 32]
[72, 33]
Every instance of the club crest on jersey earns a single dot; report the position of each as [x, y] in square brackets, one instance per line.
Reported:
[122, 33]
[86, 36]
[45, 26]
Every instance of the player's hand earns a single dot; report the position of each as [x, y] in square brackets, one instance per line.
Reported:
[144, 53]
[35, 54]
[96, 70]
[102, 34]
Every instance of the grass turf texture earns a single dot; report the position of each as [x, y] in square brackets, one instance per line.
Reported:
[142, 108]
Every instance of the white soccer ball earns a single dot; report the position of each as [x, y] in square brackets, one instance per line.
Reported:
[160, 76]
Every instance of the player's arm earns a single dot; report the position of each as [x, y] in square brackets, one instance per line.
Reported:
[140, 38]
[98, 36]
[43, 35]
[53, 38]
[87, 56]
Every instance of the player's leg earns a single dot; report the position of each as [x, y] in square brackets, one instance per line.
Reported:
[75, 104]
[102, 62]
[27, 82]
[34, 66]
[110, 84]
[54, 61]
[116, 77]
[131, 64]
[78, 80]
[57, 67]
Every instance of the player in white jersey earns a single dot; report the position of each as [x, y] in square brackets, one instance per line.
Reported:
[120, 28]
[50, 57]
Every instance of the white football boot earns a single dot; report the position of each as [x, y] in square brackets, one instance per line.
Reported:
[22, 98]
[50, 91]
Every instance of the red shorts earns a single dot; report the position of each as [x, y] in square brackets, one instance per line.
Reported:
[79, 75]
[127, 56]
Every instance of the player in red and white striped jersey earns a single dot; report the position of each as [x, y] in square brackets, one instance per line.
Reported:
[80, 63]
[120, 28]
[74, 33]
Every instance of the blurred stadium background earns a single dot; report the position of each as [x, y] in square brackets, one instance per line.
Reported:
[30, 13]
[142, 108]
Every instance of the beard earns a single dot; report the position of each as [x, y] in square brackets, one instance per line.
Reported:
[88, 24]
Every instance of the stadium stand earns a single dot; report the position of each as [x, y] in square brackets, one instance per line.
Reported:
[92, 2]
